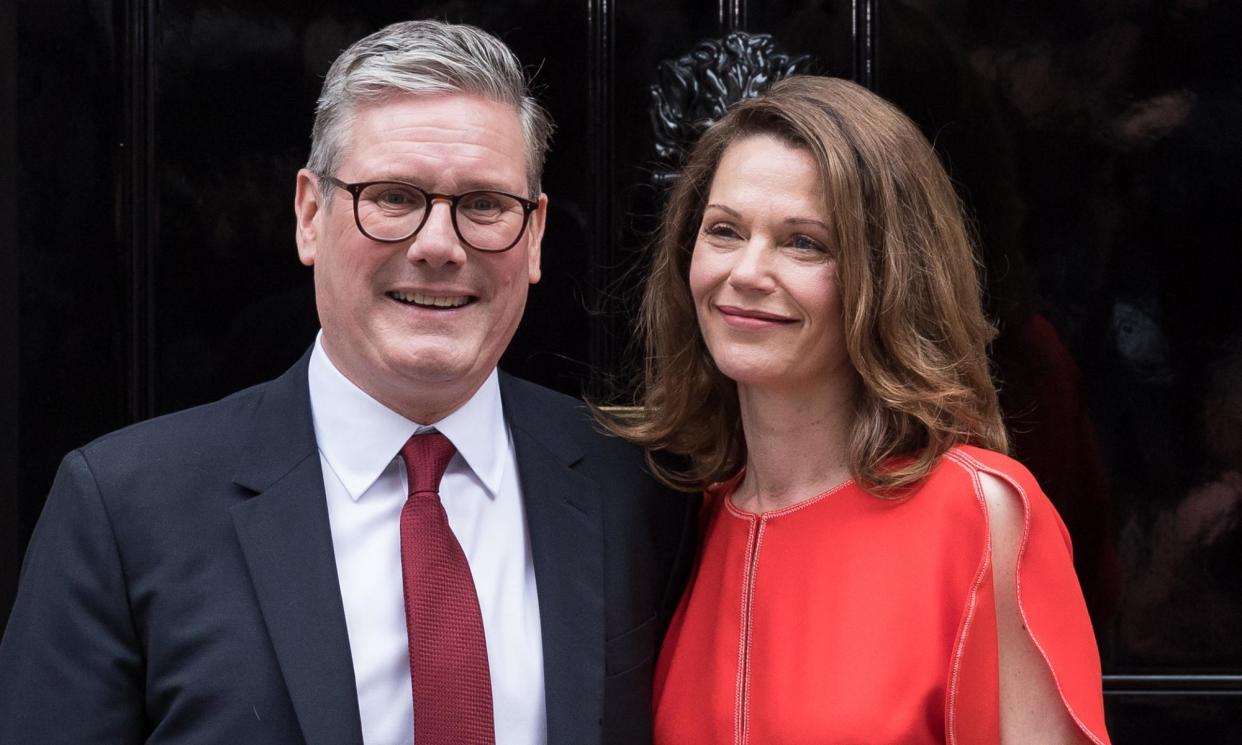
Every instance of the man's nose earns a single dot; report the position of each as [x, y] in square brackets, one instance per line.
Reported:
[437, 242]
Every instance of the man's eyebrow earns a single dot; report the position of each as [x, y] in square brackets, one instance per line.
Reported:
[400, 177]
[462, 187]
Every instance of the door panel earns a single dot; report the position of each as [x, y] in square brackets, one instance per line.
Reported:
[1094, 144]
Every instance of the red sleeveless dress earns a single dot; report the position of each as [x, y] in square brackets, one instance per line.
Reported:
[851, 619]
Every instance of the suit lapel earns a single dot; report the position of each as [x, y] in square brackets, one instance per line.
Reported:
[564, 517]
[287, 543]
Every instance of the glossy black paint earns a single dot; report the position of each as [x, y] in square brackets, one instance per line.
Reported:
[72, 260]
[10, 545]
[1204, 719]
[644, 33]
[1097, 147]
[149, 261]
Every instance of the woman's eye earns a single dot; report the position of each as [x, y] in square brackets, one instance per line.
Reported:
[720, 230]
[806, 243]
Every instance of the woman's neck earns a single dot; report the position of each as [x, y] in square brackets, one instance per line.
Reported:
[797, 443]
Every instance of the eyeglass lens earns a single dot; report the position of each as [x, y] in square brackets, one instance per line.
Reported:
[487, 220]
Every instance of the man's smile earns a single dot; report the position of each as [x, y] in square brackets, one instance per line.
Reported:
[431, 301]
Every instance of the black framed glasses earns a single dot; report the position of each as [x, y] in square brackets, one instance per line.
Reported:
[394, 212]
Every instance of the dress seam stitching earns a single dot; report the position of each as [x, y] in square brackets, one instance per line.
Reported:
[781, 512]
[741, 718]
[971, 605]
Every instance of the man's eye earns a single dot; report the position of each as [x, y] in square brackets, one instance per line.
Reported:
[481, 203]
[398, 198]
[394, 198]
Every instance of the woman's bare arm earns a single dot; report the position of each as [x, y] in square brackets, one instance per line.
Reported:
[1031, 709]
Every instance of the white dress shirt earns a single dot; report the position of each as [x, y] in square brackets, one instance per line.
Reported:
[365, 481]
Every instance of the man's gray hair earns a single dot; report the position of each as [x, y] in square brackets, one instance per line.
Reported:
[424, 58]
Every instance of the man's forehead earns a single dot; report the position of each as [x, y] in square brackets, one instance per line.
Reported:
[453, 141]
[468, 110]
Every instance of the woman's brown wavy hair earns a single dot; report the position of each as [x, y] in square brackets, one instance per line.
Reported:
[915, 329]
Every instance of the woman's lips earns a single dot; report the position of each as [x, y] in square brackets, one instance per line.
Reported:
[748, 318]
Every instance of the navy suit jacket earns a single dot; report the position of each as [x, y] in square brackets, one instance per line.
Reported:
[180, 586]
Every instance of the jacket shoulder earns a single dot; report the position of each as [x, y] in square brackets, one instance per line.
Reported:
[189, 430]
[208, 441]
[554, 416]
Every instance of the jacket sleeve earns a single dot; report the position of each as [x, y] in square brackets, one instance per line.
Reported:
[71, 666]
[683, 560]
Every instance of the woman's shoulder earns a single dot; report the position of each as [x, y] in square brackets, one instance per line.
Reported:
[961, 473]
[998, 476]
[968, 482]
[975, 460]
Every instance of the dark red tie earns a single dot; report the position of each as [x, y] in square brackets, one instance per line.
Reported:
[448, 653]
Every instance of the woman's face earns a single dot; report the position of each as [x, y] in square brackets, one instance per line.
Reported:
[764, 271]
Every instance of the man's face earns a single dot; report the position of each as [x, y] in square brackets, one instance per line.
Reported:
[420, 324]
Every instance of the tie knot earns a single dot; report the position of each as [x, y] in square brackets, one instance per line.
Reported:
[426, 456]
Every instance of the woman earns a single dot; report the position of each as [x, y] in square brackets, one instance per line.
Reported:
[871, 562]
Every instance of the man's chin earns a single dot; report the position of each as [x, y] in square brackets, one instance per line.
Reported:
[428, 368]
[427, 390]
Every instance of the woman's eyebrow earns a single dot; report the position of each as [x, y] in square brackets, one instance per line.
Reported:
[806, 221]
[788, 220]
[723, 208]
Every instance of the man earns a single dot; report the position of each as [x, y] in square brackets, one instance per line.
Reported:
[278, 567]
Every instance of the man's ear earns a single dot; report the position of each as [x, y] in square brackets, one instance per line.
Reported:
[538, 219]
[307, 203]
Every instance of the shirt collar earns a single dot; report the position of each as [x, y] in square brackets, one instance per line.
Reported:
[359, 436]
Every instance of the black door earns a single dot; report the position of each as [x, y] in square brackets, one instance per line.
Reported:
[149, 150]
